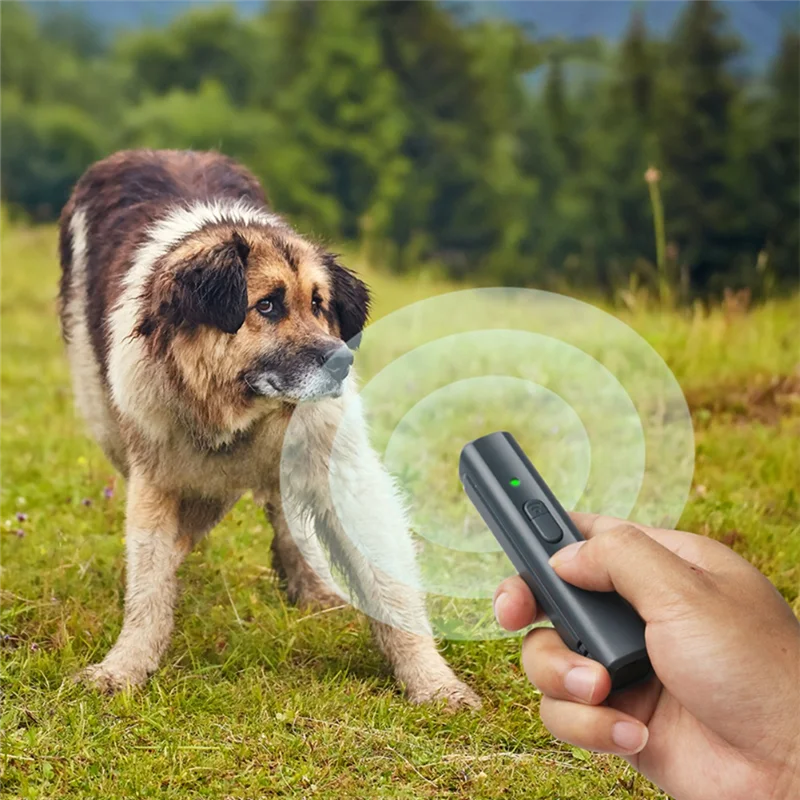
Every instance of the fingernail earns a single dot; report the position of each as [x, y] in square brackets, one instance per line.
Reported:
[580, 682]
[630, 737]
[565, 554]
[499, 603]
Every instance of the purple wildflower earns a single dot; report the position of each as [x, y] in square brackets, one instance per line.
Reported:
[22, 516]
[86, 501]
[108, 492]
[19, 533]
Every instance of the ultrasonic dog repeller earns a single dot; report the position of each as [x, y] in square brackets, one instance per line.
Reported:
[531, 525]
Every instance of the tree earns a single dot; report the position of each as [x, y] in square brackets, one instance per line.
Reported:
[508, 193]
[560, 55]
[636, 73]
[340, 105]
[59, 111]
[625, 143]
[203, 44]
[442, 204]
[73, 29]
[45, 150]
[695, 134]
[783, 154]
[19, 37]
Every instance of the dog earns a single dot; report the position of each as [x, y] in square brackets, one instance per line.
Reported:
[197, 322]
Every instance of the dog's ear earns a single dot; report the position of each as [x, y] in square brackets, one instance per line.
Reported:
[212, 289]
[349, 301]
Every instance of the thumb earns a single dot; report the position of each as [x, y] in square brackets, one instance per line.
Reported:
[624, 559]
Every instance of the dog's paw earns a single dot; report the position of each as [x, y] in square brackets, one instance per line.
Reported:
[111, 677]
[452, 692]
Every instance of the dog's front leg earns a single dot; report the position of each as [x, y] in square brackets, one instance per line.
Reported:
[304, 573]
[364, 528]
[155, 548]
[397, 612]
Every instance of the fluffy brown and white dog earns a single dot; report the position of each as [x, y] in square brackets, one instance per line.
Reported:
[196, 320]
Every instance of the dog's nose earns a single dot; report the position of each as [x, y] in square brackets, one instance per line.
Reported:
[338, 362]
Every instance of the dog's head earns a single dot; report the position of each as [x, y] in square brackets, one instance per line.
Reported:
[256, 311]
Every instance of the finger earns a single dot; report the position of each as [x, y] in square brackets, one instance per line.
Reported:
[559, 673]
[700, 550]
[591, 525]
[598, 728]
[514, 604]
[626, 560]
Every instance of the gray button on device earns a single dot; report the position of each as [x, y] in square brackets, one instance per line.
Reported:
[546, 527]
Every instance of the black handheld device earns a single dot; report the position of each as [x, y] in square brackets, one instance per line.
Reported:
[531, 525]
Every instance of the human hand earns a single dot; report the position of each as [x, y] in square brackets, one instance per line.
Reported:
[721, 717]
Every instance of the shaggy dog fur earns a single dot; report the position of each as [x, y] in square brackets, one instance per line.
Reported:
[196, 320]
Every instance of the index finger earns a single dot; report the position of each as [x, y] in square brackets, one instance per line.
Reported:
[591, 525]
[695, 549]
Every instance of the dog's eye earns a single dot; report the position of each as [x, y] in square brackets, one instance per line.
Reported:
[316, 304]
[273, 306]
[265, 307]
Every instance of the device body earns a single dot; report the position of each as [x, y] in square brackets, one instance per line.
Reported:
[531, 525]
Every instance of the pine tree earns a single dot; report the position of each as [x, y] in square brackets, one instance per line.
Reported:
[635, 84]
[783, 174]
[629, 137]
[558, 100]
[444, 214]
[555, 105]
[342, 117]
[616, 141]
[695, 133]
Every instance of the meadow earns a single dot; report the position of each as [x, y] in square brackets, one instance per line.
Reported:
[257, 699]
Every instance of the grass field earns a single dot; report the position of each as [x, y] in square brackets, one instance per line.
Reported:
[257, 699]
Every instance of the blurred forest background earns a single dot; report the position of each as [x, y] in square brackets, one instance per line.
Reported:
[429, 137]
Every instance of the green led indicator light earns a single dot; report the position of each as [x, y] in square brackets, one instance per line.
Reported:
[514, 482]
